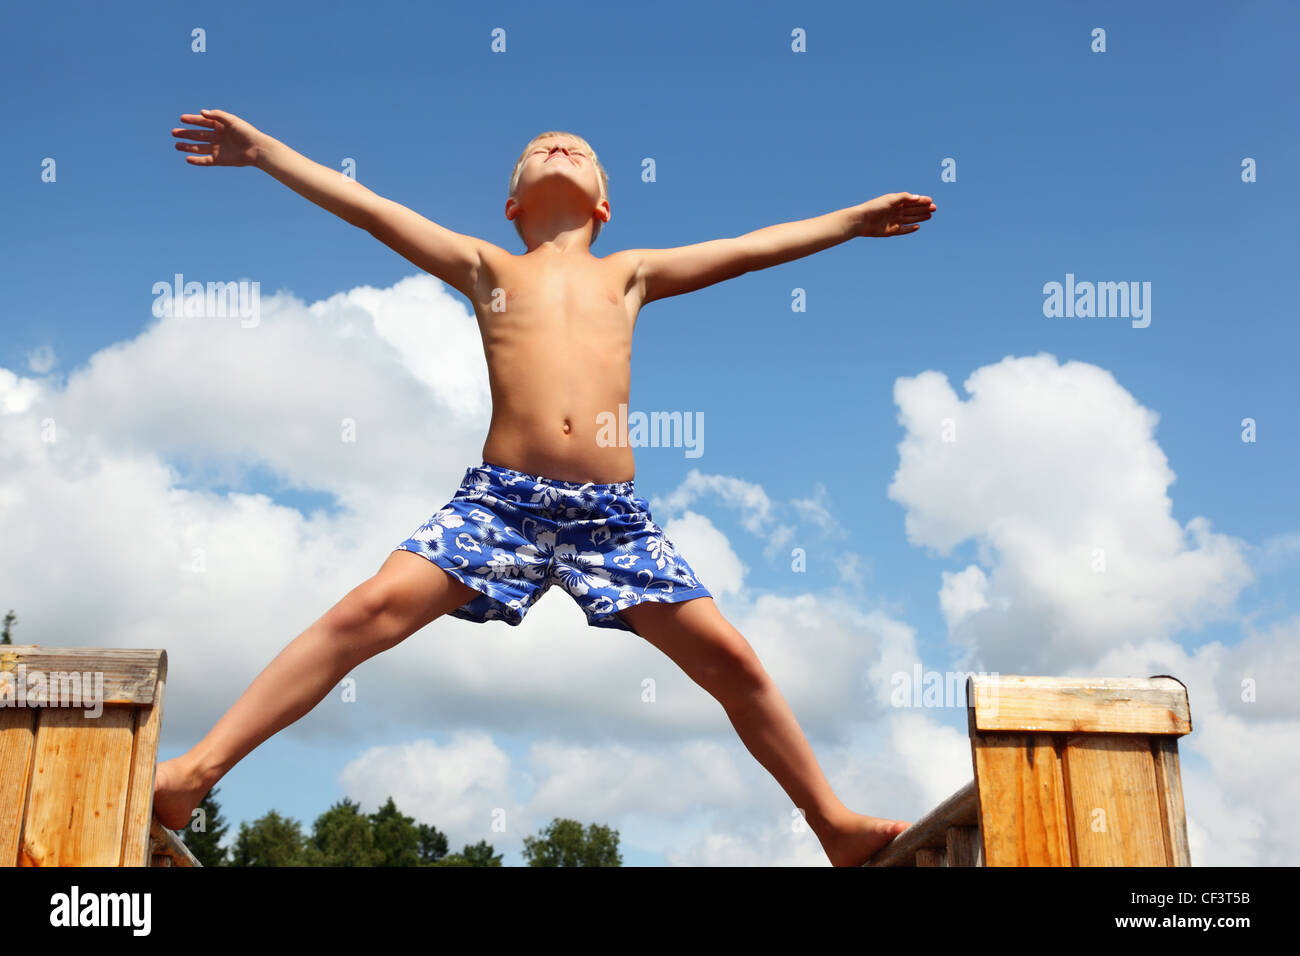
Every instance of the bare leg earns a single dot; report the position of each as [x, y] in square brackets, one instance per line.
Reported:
[403, 596]
[715, 655]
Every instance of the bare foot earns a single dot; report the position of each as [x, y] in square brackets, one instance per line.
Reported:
[860, 838]
[176, 792]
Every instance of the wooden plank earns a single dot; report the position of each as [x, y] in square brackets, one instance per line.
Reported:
[1151, 705]
[1023, 812]
[166, 845]
[930, 856]
[930, 832]
[1172, 816]
[77, 796]
[965, 847]
[17, 742]
[144, 764]
[1114, 801]
[129, 675]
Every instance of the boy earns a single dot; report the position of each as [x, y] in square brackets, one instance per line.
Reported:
[550, 504]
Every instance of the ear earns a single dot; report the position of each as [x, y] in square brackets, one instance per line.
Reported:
[602, 210]
[512, 208]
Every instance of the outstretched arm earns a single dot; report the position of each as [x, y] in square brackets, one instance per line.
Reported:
[665, 272]
[227, 140]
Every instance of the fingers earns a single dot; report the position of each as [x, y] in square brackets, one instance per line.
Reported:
[198, 135]
[199, 141]
[910, 214]
[198, 120]
[903, 200]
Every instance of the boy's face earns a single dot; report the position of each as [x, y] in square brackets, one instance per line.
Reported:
[558, 170]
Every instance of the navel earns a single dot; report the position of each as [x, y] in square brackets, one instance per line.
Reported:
[568, 427]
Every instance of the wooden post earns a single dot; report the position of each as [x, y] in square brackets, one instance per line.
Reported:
[1078, 771]
[1068, 772]
[79, 734]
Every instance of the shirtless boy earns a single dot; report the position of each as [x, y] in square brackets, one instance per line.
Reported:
[550, 503]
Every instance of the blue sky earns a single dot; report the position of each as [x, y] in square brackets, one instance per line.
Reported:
[1117, 166]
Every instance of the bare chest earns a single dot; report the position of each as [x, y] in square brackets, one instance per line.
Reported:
[594, 296]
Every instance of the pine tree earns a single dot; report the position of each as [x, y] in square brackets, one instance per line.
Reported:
[396, 836]
[271, 841]
[343, 836]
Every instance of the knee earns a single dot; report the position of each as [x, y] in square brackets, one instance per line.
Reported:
[735, 674]
[361, 608]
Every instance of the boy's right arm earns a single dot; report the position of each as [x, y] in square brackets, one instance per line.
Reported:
[450, 256]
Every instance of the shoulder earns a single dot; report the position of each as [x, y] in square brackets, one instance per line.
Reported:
[625, 264]
[493, 263]
[491, 255]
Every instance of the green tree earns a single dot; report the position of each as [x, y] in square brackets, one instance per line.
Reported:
[432, 848]
[205, 842]
[564, 843]
[397, 838]
[271, 841]
[343, 836]
[480, 854]
[432, 845]
[9, 622]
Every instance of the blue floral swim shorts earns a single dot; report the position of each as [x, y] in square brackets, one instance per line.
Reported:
[511, 535]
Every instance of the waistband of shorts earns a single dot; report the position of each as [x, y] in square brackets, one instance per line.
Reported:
[622, 488]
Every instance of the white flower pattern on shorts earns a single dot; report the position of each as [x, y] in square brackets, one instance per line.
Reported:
[511, 535]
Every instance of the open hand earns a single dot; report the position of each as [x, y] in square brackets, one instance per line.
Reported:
[894, 214]
[226, 140]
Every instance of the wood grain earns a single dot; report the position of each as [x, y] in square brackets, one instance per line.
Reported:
[930, 832]
[77, 793]
[1022, 801]
[1115, 801]
[1131, 705]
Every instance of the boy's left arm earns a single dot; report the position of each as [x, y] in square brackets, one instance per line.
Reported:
[665, 272]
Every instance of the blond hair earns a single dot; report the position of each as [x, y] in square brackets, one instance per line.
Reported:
[601, 176]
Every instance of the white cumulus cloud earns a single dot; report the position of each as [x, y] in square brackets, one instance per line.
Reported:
[1054, 473]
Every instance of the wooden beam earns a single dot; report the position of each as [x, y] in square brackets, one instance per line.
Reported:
[1172, 816]
[1109, 705]
[17, 744]
[1114, 801]
[931, 831]
[965, 848]
[144, 765]
[129, 674]
[168, 849]
[1022, 800]
[76, 804]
